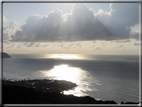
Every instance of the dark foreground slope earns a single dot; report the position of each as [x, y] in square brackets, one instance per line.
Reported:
[23, 95]
[43, 91]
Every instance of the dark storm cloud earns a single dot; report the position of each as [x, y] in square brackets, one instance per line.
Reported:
[80, 25]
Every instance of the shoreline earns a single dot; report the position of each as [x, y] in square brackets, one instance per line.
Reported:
[46, 92]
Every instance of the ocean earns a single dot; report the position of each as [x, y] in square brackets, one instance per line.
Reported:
[102, 77]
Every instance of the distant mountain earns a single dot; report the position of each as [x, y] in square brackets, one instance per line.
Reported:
[5, 55]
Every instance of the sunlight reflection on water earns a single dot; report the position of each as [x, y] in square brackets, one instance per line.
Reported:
[64, 56]
[63, 72]
[72, 74]
[107, 80]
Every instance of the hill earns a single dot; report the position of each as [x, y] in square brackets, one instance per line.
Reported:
[33, 92]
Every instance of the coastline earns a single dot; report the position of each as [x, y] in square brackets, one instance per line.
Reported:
[23, 92]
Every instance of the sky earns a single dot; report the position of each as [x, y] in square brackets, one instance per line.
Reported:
[71, 28]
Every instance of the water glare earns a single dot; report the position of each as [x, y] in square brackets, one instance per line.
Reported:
[66, 56]
[64, 72]
[72, 74]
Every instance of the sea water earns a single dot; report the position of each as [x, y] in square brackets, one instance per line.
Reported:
[101, 77]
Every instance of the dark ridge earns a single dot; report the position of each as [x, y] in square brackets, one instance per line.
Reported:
[5, 55]
[44, 85]
[44, 91]
[24, 95]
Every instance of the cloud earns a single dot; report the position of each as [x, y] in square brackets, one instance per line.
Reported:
[123, 16]
[37, 45]
[79, 25]
[94, 41]
[122, 41]
[78, 45]
[98, 48]
[92, 46]
[19, 46]
[45, 45]
[135, 35]
[4, 19]
[61, 45]
[104, 44]
[137, 44]
[120, 46]
[31, 44]
[71, 44]
[9, 30]
[12, 45]
[101, 12]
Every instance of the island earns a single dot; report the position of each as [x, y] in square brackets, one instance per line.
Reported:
[5, 55]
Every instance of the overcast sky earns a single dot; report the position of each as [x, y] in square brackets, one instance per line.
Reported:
[74, 28]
